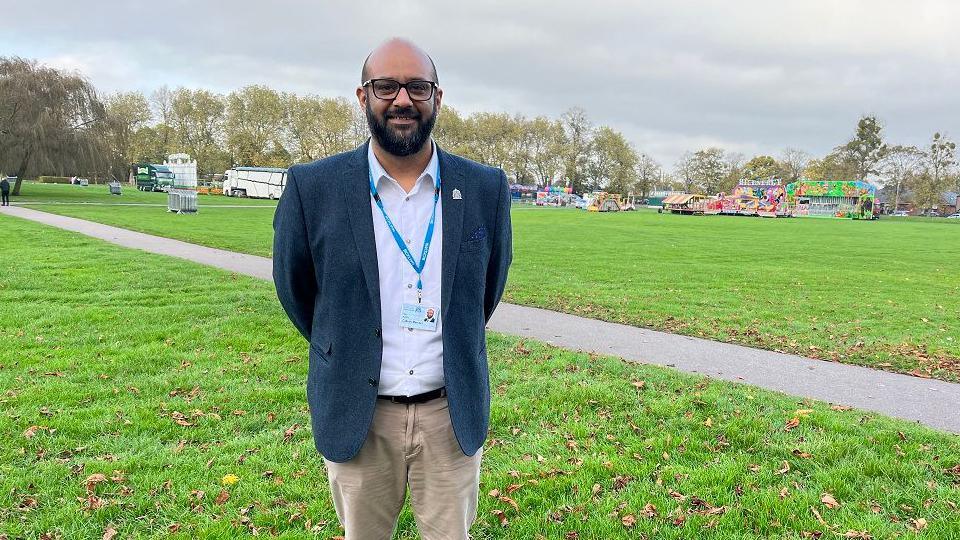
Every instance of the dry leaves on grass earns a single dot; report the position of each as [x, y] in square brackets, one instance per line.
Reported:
[829, 501]
[288, 433]
[792, 423]
[109, 533]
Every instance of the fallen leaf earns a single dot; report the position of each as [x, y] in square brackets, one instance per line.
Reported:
[708, 422]
[649, 510]
[803, 413]
[288, 433]
[800, 454]
[828, 500]
[92, 481]
[628, 520]
[109, 533]
[817, 515]
[792, 423]
[511, 502]
[223, 497]
[639, 385]
[840, 408]
[785, 468]
[919, 524]
[501, 516]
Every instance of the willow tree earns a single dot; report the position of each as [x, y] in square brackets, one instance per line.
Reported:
[49, 121]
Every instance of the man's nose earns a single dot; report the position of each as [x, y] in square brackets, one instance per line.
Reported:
[402, 99]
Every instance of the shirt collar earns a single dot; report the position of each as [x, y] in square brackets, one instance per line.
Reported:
[380, 175]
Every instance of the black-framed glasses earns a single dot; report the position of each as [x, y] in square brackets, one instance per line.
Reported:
[389, 88]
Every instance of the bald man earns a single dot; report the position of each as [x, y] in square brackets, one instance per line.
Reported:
[390, 259]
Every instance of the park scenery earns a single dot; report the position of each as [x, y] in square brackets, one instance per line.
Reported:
[152, 392]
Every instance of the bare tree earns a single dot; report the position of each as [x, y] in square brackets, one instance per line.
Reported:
[794, 162]
[899, 165]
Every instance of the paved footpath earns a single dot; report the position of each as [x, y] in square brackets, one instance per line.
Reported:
[927, 401]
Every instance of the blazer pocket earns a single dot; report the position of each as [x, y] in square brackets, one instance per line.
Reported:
[321, 349]
[472, 245]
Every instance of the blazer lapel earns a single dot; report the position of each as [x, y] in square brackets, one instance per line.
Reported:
[356, 198]
[451, 178]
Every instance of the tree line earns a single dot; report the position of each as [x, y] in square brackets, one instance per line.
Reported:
[55, 122]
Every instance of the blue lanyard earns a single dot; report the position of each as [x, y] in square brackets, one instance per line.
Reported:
[418, 268]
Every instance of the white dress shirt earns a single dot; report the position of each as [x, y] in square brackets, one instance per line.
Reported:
[412, 359]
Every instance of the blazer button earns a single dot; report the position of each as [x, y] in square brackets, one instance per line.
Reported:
[373, 382]
[377, 332]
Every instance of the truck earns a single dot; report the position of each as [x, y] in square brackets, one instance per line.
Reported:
[255, 182]
[152, 177]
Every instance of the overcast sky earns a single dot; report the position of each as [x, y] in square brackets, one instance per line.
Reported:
[749, 76]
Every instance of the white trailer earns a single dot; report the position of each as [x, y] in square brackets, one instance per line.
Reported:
[255, 182]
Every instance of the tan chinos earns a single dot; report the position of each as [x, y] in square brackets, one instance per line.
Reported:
[408, 444]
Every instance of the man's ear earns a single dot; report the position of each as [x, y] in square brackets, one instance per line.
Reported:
[362, 97]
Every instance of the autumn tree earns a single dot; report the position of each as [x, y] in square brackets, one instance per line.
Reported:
[127, 115]
[579, 135]
[937, 173]
[900, 164]
[612, 162]
[864, 152]
[254, 121]
[50, 121]
[762, 167]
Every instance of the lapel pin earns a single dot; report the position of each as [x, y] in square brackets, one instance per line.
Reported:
[456, 195]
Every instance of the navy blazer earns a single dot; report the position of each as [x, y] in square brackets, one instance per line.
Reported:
[325, 271]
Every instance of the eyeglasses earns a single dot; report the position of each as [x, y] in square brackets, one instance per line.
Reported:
[389, 88]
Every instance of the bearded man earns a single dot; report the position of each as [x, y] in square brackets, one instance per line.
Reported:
[413, 244]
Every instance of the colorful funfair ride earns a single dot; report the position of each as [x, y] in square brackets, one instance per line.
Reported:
[831, 198]
[766, 198]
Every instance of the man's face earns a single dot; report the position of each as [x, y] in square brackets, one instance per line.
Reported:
[400, 125]
[429, 313]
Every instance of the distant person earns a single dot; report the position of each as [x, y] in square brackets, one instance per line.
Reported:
[382, 233]
[4, 192]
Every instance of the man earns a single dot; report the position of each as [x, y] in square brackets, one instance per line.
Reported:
[4, 191]
[384, 233]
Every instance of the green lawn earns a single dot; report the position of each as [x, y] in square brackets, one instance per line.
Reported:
[881, 294]
[127, 404]
[33, 192]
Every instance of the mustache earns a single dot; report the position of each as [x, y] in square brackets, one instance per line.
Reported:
[407, 113]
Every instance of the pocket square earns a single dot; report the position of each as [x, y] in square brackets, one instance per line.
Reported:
[478, 234]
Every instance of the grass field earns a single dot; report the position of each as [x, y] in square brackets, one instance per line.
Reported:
[881, 294]
[33, 192]
[178, 409]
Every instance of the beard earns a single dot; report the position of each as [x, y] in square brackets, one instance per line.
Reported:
[394, 141]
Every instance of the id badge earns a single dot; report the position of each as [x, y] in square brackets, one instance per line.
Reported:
[419, 317]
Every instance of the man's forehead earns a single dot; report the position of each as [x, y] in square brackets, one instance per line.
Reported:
[398, 62]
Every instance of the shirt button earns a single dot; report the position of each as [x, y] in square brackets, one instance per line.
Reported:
[410, 329]
[377, 332]
[406, 198]
[411, 372]
[409, 285]
[408, 241]
[373, 382]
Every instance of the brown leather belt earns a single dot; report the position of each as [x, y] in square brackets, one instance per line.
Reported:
[419, 398]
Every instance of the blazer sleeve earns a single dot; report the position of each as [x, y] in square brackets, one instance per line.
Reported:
[501, 254]
[293, 269]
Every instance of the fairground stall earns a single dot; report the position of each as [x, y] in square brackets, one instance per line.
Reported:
[766, 198]
[685, 203]
[832, 198]
[554, 196]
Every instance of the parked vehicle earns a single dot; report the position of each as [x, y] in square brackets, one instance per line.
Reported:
[900, 213]
[954, 216]
[151, 177]
[255, 182]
